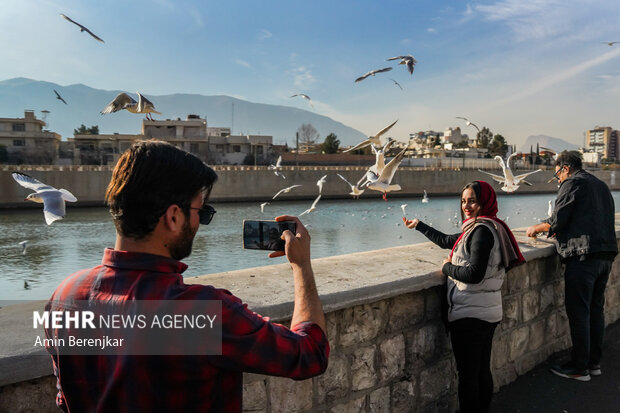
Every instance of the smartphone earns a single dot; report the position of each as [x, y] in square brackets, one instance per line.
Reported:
[266, 235]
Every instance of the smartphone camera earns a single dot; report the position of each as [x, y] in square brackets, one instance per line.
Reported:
[266, 235]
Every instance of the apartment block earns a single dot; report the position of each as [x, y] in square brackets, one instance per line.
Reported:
[603, 140]
[25, 141]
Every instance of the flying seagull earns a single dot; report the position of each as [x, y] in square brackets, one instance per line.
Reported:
[382, 181]
[405, 60]
[396, 83]
[53, 199]
[355, 189]
[510, 182]
[59, 97]
[263, 205]
[277, 167]
[372, 140]
[403, 207]
[320, 183]
[24, 245]
[82, 28]
[313, 207]
[610, 43]
[124, 101]
[468, 122]
[372, 73]
[425, 198]
[377, 168]
[284, 191]
[305, 97]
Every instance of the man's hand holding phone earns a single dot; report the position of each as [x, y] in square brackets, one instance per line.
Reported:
[297, 246]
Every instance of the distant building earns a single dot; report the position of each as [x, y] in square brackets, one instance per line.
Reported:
[451, 135]
[24, 141]
[603, 140]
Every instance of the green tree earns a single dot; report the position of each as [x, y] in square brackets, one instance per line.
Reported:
[331, 144]
[83, 130]
[484, 137]
[498, 146]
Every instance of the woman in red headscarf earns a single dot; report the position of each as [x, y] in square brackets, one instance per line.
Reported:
[480, 256]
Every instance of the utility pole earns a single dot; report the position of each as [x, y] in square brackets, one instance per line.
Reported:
[297, 148]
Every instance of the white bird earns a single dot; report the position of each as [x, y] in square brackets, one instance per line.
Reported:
[53, 199]
[372, 140]
[377, 168]
[83, 28]
[277, 167]
[313, 207]
[305, 97]
[468, 122]
[405, 60]
[510, 182]
[24, 245]
[610, 43]
[372, 73]
[403, 206]
[425, 198]
[262, 206]
[381, 182]
[550, 209]
[355, 189]
[320, 183]
[284, 191]
[124, 101]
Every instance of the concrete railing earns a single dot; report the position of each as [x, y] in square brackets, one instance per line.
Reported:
[389, 349]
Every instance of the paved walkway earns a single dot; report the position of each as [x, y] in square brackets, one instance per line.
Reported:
[544, 392]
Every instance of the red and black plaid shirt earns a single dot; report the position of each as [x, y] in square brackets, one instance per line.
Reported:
[116, 383]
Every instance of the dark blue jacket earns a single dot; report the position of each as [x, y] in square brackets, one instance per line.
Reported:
[583, 220]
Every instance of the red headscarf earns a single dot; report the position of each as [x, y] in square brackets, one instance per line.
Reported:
[488, 210]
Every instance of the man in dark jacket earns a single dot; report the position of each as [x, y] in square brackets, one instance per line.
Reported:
[583, 223]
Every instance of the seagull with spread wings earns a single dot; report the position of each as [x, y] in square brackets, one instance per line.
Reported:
[610, 43]
[396, 83]
[313, 207]
[284, 191]
[355, 189]
[124, 101]
[405, 60]
[83, 28]
[320, 183]
[509, 181]
[468, 122]
[382, 182]
[59, 97]
[277, 167]
[53, 199]
[372, 140]
[305, 97]
[372, 73]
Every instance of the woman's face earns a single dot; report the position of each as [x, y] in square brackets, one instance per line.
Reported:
[469, 203]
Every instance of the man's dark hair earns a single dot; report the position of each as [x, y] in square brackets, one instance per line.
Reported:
[149, 177]
[571, 159]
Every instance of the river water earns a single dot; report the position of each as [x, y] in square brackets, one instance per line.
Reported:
[337, 227]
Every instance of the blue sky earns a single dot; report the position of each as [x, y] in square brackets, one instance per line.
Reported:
[518, 67]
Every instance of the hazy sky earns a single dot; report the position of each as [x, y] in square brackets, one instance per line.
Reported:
[518, 67]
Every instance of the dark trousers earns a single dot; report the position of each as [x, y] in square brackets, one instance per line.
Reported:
[471, 342]
[584, 289]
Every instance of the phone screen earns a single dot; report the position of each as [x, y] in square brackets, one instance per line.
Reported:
[266, 235]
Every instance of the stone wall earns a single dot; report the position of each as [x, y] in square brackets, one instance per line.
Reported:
[389, 349]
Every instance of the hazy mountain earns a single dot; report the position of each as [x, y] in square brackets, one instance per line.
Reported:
[555, 144]
[84, 104]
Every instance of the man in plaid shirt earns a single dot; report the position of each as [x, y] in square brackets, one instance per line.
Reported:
[157, 197]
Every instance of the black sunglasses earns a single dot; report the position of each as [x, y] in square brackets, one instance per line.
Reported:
[555, 174]
[205, 213]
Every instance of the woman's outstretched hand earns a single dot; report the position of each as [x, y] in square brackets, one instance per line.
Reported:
[411, 223]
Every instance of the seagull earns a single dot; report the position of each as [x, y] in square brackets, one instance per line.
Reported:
[374, 140]
[510, 182]
[405, 60]
[396, 83]
[313, 207]
[355, 189]
[262, 206]
[610, 43]
[82, 28]
[468, 122]
[124, 101]
[59, 97]
[305, 97]
[377, 168]
[403, 206]
[277, 167]
[320, 183]
[24, 245]
[372, 73]
[550, 209]
[382, 181]
[425, 198]
[53, 199]
[285, 190]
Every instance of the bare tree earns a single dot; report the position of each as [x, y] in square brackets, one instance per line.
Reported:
[308, 136]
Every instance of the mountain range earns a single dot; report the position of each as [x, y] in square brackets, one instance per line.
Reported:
[84, 104]
[555, 144]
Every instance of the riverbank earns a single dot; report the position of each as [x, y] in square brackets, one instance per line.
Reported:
[248, 183]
